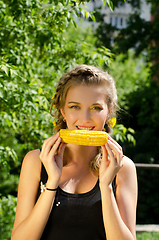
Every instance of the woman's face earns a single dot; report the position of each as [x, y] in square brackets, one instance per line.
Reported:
[85, 108]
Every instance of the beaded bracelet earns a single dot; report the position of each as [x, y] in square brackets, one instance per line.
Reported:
[43, 188]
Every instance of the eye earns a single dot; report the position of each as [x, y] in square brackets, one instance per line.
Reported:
[75, 107]
[97, 108]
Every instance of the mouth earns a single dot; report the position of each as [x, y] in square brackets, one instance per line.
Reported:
[85, 128]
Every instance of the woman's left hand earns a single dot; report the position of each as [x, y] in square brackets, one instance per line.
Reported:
[111, 161]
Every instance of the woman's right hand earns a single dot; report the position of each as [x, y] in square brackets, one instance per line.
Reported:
[52, 158]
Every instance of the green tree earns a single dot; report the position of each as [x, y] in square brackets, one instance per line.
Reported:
[138, 98]
[139, 34]
[138, 93]
[35, 50]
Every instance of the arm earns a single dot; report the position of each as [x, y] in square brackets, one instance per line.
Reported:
[31, 217]
[119, 214]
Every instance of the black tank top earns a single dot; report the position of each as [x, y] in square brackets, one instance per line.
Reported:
[75, 216]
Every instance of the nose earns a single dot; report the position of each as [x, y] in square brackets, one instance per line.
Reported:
[86, 116]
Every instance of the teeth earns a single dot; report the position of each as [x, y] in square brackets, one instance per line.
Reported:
[83, 128]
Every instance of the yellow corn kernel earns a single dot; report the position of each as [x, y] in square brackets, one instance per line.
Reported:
[84, 137]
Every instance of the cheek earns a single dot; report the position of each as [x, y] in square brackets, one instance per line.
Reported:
[103, 120]
[103, 116]
[71, 116]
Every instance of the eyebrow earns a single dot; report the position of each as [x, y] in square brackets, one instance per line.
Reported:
[97, 104]
[72, 102]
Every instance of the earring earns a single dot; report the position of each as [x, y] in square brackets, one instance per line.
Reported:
[53, 96]
[111, 122]
[54, 123]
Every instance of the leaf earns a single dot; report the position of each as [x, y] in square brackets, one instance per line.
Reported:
[40, 91]
[131, 130]
[5, 69]
[104, 2]
[110, 5]
[13, 72]
[74, 23]
[93, 18]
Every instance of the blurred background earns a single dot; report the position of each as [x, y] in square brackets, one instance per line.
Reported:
[39, 41]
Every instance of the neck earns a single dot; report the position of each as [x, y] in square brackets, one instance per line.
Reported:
[79, 155]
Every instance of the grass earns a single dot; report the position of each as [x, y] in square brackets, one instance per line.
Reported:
[148, 236]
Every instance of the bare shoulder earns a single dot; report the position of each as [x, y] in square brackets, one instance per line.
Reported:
[33, 155]
[28, 185]
[128, 164]
[32, 162]
[127, 172]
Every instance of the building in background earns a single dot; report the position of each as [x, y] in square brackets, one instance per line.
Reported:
[120, 15]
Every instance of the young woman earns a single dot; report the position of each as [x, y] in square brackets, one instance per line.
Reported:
[90, 192]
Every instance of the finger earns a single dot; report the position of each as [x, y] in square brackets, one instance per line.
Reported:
[113, 160]
[113, 141]
[118, 153]
[61, 149]
[48, 143]
[60, 155]
[110, 153]
[55, 147]
[104, 161]
[104, 152]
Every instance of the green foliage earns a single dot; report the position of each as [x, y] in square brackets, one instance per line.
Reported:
[136, 35]
[142, 106]
[39, 41]
[145, 122]
[140, 34]
[8, 161]
[148, 236]
[7, 213]
[130, 74]
[138, 99]
[123, 134]
[110, 4]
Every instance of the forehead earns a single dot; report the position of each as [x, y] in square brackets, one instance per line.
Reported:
[87, 93]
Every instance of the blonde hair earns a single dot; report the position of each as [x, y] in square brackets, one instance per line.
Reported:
[83, 75]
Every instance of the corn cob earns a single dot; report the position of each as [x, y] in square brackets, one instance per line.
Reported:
[84, 137]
